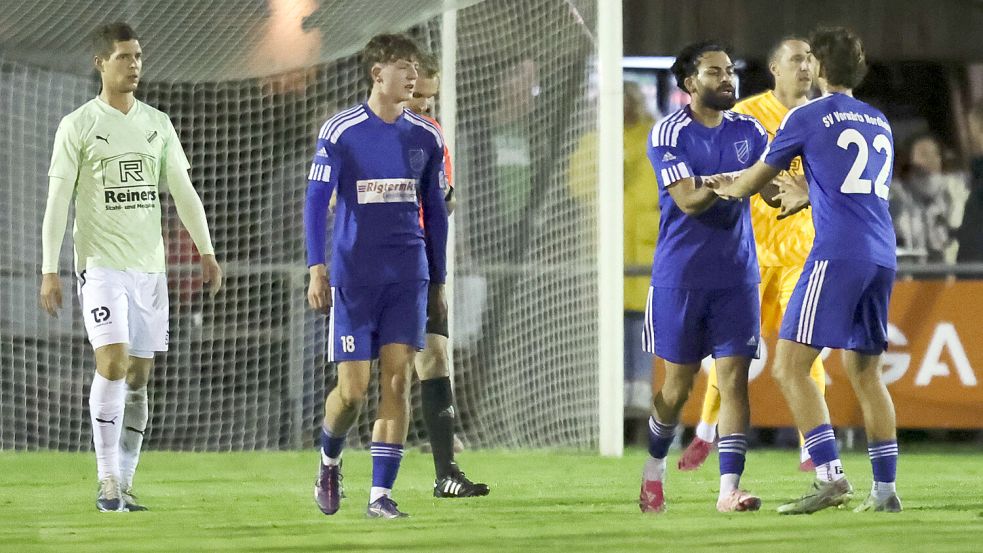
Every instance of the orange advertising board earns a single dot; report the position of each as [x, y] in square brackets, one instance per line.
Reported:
[933, 366]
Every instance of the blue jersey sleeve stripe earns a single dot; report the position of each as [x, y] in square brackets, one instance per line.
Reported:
[683, 171]
[331, 123]
[666, 132]
[420, 122]
[331, 126]
[345, 126]
[359, 110]
[659, 128]
[676, 128]
[429, 124]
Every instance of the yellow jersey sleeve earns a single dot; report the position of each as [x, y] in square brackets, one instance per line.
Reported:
[784, 243]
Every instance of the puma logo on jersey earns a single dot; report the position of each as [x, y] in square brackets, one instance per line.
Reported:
[103, 138]
[668, 157]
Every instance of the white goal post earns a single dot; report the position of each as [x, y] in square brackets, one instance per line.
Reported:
[531, 105]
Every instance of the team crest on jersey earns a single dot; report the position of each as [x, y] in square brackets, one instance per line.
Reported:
[418, 159]
[151, 136]
[743, 151]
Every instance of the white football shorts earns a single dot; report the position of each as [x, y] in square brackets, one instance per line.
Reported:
[125, 307]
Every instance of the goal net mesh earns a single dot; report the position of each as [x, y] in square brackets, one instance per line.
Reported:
[247, 84]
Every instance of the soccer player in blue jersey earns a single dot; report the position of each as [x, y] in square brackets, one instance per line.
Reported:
[841, 300]
[704, 294]
[386, 164]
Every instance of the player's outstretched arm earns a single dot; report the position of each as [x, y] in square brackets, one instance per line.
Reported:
[747, 183]
[793, 194]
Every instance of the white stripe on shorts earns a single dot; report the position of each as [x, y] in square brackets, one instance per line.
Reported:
[648, 329]
[331, 328]
[810, 303]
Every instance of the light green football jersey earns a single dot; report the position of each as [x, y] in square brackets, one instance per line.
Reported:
[116, 161]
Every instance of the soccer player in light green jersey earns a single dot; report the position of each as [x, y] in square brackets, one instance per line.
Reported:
[115, 155]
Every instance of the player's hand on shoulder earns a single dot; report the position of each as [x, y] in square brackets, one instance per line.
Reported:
[51, 293]
[436, 302]
[319, 290]
[793, 194]
[211, 273]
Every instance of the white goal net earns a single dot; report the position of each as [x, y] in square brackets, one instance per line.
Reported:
[247, 84]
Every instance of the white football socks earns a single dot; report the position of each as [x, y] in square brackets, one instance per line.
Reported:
[329, 461]
[883, 490]
[830, 472]
[376, 493]
[706, 432]
[106, 400]
[655, 469]
[728, 484]
[135, 417]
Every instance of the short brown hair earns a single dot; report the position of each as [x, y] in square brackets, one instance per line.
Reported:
[429, 66]
[387, 48]
[105, 37]
[840, 52]
[777, 47]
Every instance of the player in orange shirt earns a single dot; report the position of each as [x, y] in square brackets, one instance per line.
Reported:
[782, 245]
[432, 363]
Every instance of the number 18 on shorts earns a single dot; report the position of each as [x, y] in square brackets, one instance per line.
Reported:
[365, 318]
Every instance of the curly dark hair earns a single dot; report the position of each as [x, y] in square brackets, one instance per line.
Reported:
[688, 59]
[840, 52]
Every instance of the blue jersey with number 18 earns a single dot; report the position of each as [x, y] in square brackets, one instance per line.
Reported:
[847, 148]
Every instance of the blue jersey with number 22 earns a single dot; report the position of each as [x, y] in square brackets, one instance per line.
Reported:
[848, 151]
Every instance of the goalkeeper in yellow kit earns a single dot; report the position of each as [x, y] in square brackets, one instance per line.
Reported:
[782, 245]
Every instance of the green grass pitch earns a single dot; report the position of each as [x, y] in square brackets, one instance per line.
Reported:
[541, 501]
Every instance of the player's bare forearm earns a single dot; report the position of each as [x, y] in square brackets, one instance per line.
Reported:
[50, 295]
[746, 184]
[211, 273]
[692, 197]
[319, 290]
